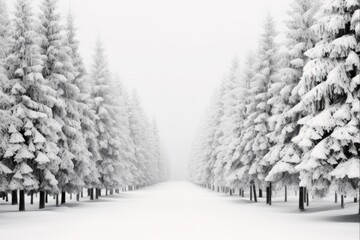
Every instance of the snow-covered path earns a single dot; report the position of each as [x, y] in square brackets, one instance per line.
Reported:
[179, 211]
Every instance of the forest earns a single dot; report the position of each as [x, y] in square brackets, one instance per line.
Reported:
[65, 129]
[288, 115]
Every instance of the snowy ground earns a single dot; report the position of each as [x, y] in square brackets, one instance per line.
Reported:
[180, 211]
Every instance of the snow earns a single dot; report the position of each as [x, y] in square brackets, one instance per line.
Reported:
[180, 211]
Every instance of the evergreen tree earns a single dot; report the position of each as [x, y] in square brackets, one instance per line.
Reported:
[86, 167]
[137, 122]
[6, 101]
[104, 107]
[329, 90]
[258, 109]
[284, 155]
[58, 72]
[32, 148]
[234, 168]
[230, 101]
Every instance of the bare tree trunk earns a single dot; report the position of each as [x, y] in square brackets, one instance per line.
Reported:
[78, 197]
[57, 200]
[336, 198]
[42, 200]
[32, 198]
[250, 192]
[307, 199]
[14, 198]
[285, 193]
[301, 199]
[22, 200]
[63, 197]
[342, 201]
[270, 193]
[260, 193]
[91, 193]
[254, 188]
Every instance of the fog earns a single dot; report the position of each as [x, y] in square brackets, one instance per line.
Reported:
[174, 53]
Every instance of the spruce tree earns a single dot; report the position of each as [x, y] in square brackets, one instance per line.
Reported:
[59, 73]
[329, 90]
[88, 152]
[284, 155]
[32, 146]
[104, 107]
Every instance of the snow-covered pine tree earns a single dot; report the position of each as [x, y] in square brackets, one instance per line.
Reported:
[58, 71]
[6, 101]
[157, 154]
[199, 172]
[216, 134]
[231, 102]
[104, 107]
[138, 124]
[32, 146]
[260, 109]
[89, 154]
[237, 127]
[329, 90]
[284, 155]
[126, 151]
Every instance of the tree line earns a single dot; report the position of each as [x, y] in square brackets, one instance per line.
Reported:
[289, 115]
[63, 129]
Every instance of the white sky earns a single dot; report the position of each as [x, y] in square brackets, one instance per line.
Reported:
[174, 52]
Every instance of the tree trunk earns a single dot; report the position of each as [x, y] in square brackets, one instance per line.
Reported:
[31, 198]
[355, 199]
[106, 191]
[305, 190]
[111, 192]
[307, 199]
[70, 196]
[57, 200]
[285, 193]
[231, 192]
[91, 193]
[22, 200]
[267, 195]
[336, 198]
[6, 197]
[260, 193]
[342, 201]
[78, 197]
[270, 193]
[42, 200]
[301, 199]
[96, 193]
[250, 192]
[82, 193]
[243, 193]
[239, 192]
[254, 188]
[63, 197]
[14, 198]
[46, 198]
